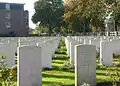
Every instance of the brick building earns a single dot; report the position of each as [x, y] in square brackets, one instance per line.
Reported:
[14, 20]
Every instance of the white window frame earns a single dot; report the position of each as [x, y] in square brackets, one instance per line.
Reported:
[7, 6]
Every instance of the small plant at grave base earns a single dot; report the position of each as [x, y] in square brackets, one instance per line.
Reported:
[67, 67]
[118, 62]
[115, 56]
[114, 75]
[97, 55]
[101, 66]
[15, 58]
[13, 73]
[6, 73]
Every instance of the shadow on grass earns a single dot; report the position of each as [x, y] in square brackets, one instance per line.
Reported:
[101, 68]
[115, 59]
[60, 52]
[51, 83]
[104, 84]
[103, 74]
[60, 58]
[69, 85]
[100, 80]
[56, 76]
[56, 68]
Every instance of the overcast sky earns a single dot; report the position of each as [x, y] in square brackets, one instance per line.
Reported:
[29, 4]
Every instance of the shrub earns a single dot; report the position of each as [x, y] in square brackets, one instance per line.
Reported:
[7, 76]
[97, 54]
[115, 56]
[4, 72]
[67, 67]
[114, 75]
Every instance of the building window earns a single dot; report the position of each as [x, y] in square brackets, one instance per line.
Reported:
[8, 24]
[26, 24]
[8, 15]
[7, 6]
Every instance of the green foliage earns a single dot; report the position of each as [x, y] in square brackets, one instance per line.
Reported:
[116, 56]
[80, 14]
[7, 77]
[84, 15]
[4, 72]
[40, 29]
[48, 13]
[97, 54]
[67, 66]
[114, 75]
[101, 67]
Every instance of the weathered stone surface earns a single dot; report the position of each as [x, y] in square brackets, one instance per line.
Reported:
[85, 64]
[29, 66]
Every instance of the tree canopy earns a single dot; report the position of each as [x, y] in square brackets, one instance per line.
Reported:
[75, 15]
[85, 12]
[48, 13]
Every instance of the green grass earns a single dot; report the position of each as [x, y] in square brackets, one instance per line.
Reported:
[57, 77]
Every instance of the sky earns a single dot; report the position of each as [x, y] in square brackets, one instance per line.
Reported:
[29, 5]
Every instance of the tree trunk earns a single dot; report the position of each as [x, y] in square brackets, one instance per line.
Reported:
[116, 25]
[50, 30]
[115, 18]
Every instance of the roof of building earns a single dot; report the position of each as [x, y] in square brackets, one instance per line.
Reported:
[12, 3]
[13, 6]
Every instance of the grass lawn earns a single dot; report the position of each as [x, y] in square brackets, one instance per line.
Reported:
[58, 77]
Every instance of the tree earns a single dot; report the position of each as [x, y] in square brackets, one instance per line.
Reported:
[48, 13]
[40, 29]
[86, 12]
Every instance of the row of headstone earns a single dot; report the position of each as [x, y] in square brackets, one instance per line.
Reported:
[107, 48]
[8, 46]
[100, 47]
[83, 56]
[82, 52]
[32, 58]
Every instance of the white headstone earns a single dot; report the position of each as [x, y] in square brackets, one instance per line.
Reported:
[29, 66]
[72, 53]
[85, 64]
[106, 57]
[46, 54]
[8, 50]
